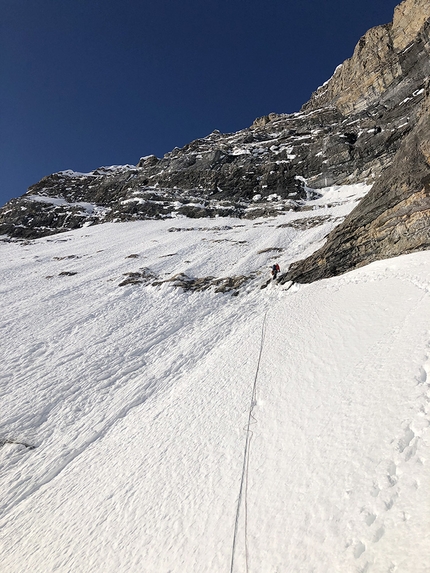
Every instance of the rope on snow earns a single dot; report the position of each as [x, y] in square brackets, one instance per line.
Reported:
[243, 491]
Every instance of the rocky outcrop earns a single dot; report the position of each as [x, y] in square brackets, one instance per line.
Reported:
[219, 285]
[393, 219]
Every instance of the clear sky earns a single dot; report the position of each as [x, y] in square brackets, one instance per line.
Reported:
[86, 83]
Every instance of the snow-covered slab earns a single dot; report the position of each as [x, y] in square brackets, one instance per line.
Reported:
[342, 193]
[71, 173]
[123, 408]
[89, 208]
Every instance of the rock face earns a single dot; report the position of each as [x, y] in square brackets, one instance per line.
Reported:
[386, 62]
[409, 19]
[368, 123]
[393, 219]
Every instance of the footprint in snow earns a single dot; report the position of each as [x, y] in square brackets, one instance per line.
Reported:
[359, 549]
[378, 534]
[389, 504]
[407, 438]
[391, 474]
[375, 491]
[411, 451]
[422, 376]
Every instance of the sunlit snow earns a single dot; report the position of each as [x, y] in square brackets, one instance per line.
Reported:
[124, 407]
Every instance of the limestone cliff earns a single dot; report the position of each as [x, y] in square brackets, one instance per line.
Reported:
[386, 60]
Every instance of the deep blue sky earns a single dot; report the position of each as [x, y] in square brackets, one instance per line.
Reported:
[86, 83]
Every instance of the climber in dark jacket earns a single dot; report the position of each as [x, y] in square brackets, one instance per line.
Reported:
[275, 270]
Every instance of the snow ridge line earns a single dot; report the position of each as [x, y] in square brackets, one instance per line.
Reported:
[245, 465]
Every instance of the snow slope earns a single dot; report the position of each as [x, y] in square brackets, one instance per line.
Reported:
[124, 408]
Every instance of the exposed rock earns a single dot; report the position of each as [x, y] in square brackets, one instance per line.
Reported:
[148, 161]
[217, 228]
[222, 285]
[66, 257]
[264, 120]
[144, 276]
[270, 249]
[381, 68]
[393, 219]
[4, 441]
[409, 18]
[181, 280]
[307, 223]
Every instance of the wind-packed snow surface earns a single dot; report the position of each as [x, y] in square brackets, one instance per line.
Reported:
[124, 408]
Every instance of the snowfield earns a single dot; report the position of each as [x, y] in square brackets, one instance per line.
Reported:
[124, 409]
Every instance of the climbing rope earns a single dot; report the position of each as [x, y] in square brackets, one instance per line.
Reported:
[243, 491]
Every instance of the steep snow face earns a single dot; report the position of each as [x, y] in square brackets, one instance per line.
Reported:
[124, 407]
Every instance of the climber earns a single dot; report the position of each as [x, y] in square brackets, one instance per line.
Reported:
[275, 270]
